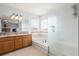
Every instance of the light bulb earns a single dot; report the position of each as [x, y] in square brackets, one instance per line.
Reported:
[16, 17]
[13, 16]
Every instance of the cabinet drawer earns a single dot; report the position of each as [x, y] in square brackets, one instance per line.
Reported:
[18, 40]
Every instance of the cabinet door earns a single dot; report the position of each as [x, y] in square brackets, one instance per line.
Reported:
[8, 45]
[1, 48]
[18, 43]
[30, 39]
[27, 41]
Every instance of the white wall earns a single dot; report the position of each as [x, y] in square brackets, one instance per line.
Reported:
[64, 41]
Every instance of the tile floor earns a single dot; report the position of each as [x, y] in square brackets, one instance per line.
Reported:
[28, 51]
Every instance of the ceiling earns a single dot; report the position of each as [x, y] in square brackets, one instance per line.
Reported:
[37, 8]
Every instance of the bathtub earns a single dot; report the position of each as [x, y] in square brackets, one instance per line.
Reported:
[40, 40]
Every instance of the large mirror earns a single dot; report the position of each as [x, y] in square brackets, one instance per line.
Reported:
[10, 25]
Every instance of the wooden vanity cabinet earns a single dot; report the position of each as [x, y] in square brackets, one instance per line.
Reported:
[11, 43]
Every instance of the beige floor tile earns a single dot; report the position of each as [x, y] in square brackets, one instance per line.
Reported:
[28, 51]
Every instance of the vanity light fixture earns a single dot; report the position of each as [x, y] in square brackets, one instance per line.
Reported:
[16, 16]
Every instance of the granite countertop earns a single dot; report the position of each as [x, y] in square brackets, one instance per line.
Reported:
[12, 34]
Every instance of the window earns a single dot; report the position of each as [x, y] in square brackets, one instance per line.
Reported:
[25, 26]
[44, 25]
[34, 25]
[39, 25]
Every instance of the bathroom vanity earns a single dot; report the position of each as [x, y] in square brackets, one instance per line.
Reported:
[11, 35]
[13, 42]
